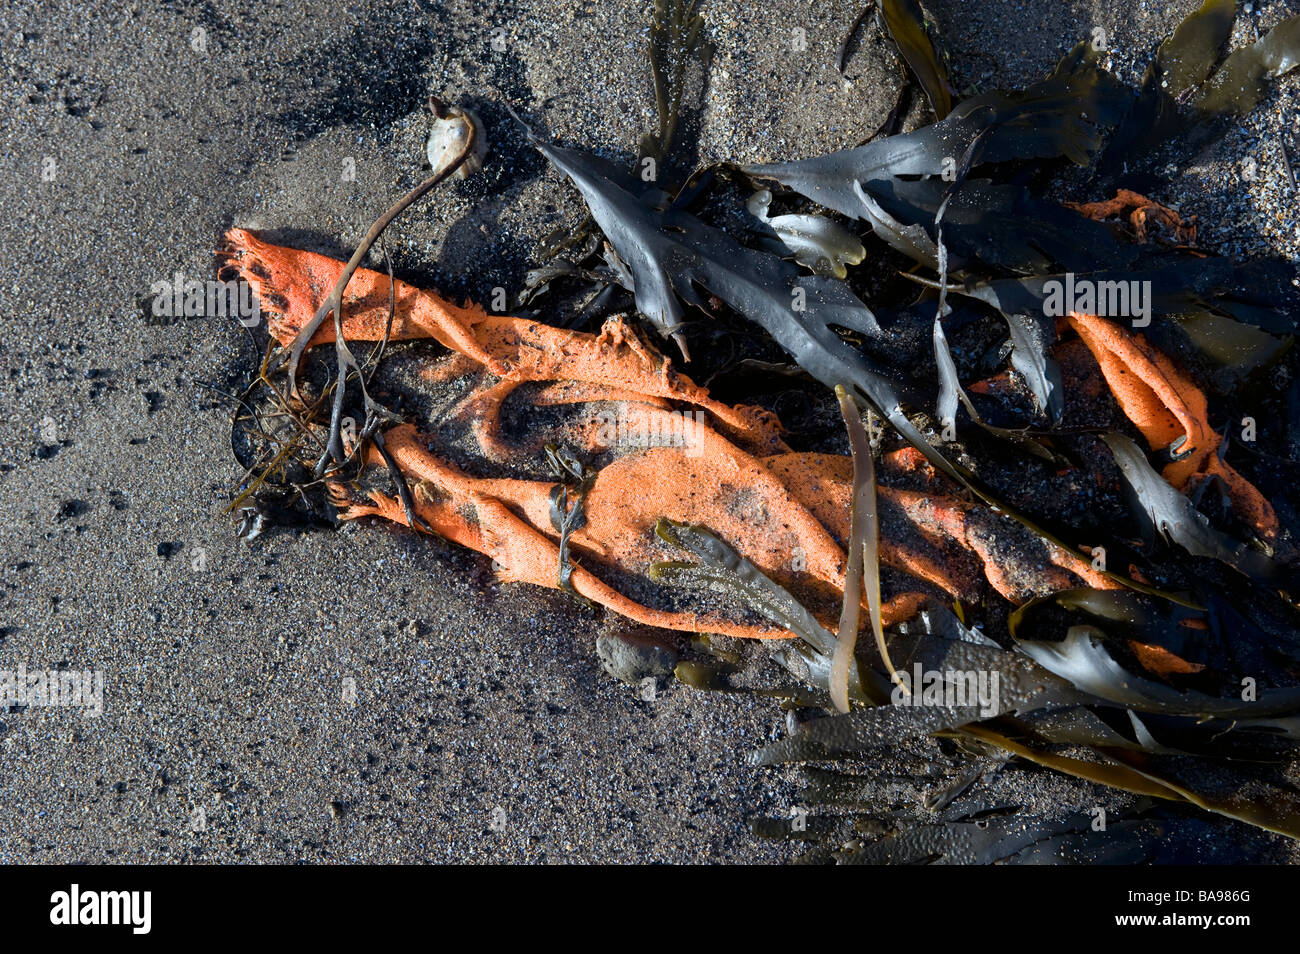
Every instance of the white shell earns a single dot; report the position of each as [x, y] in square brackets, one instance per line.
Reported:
[447, 138]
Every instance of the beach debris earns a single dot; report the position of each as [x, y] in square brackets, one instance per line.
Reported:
[1125, 616]
[684, 473]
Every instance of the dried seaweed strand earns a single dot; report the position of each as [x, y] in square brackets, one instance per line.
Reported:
[863, 572]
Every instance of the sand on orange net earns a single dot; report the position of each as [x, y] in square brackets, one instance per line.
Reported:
[733, 474]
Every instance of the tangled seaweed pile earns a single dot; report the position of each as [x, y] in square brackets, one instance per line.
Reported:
[1076, 520]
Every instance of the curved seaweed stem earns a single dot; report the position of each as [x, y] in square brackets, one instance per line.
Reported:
[864, 558]
[334, 303]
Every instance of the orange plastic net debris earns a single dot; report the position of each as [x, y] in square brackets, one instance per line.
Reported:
[705, 462]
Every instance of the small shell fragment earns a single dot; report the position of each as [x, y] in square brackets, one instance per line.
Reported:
[451, 127]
